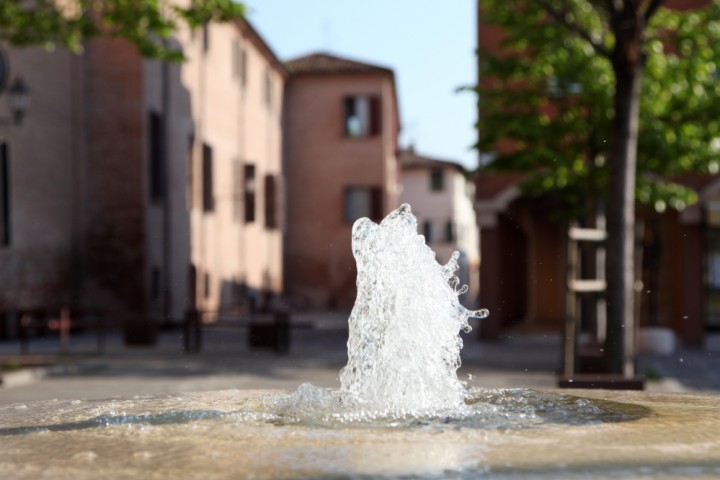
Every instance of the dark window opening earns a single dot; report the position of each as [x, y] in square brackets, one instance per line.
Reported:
[189, 173]
[250, 188]
[363, 202]
[157, 158]
[437, 180]
[449, 231]
[363, 116]
[4, 195]
[428, 231]
[155, 284]
[192, 286]
[207, 174]
[206, 285]
[270, 202]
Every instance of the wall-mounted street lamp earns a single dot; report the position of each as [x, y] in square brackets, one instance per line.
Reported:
[18, 99]
[18, 94]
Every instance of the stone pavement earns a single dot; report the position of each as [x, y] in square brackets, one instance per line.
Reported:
[317, 352]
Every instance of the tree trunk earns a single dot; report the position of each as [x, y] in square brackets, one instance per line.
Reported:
[628, 65]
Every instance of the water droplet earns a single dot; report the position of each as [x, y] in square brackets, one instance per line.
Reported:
[144, 455]
[681, 360]
[86, 456]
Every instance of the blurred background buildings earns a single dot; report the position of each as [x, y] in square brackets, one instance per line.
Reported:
[228, 184]
[139, 190]
[525, 249]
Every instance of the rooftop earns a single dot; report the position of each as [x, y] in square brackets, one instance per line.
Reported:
[326, 64]
[409, 159]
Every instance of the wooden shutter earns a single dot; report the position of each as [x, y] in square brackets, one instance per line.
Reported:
[375, 115]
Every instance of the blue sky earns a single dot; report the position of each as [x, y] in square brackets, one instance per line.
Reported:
[429, 44]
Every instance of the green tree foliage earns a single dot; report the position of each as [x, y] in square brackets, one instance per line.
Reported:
[550, 95]
[71, 23]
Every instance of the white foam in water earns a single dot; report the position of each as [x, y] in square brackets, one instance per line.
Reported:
[404, 350]
[404, 343]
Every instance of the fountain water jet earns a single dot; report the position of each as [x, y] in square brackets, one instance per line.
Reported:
[404, 344]
[400, 411]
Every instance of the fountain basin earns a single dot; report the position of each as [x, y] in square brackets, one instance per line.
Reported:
[222, 434]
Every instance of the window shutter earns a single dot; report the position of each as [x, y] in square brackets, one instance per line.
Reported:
[207, 169]
[449, 231]
[4, 195]
[375, 115]
[249, 193]
[376, 204]
[349, 113]
[270, 203]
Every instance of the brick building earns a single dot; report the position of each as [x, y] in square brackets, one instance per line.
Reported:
[341, 126]
[525, 251]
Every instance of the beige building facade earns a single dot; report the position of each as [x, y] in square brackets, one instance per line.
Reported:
[341, 127]
[143, 188]
[442, 198]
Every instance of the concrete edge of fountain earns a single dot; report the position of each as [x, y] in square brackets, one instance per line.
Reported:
[26, 375]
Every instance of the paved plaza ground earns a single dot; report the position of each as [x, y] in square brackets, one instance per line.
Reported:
[317, 352]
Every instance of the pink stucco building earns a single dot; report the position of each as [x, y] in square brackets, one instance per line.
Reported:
[141, 188]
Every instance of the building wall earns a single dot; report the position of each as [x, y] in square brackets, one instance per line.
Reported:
[234, 256]
[454, 203]
[114, 213]
[86, 227]
[321, 163]
[38, 263]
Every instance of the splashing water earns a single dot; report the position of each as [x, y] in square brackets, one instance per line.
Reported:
[404, 344]
[404, 350]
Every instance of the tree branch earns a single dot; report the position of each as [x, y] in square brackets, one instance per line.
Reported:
[652, 8]
[562, 17]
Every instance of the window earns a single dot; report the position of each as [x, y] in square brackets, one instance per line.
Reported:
[4, 195]
[268, 85]
[190, 173]
[208, 195]
[449, 231]
[155, 284]
[362, 116]
[250, 188]
[156, 154]
[437, 179]
[560, 87]
[363, 202]
[239, 61]
[206, 37]
[206, 285]
[238, 180]
[428, 231]
[270, 202]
